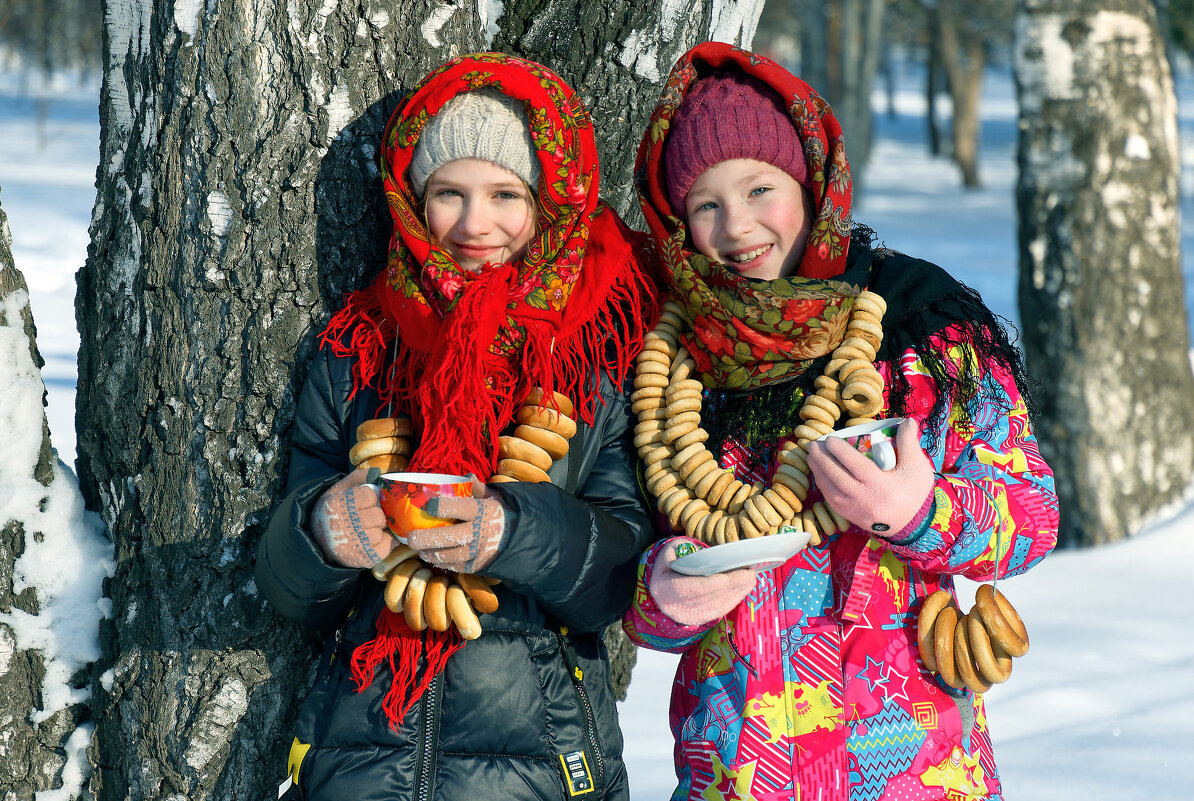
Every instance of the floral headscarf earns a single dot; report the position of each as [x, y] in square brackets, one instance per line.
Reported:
[471, 346]
[747, 333]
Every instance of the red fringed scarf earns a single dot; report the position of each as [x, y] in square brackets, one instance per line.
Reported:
[785, 323]
[468, 348]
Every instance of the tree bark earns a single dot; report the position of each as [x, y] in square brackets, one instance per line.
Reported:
[34, 740]
[238, 200]
[1100, 287]
[963, 58]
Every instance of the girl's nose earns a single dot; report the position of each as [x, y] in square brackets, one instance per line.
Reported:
[474, 219]
[736, 221]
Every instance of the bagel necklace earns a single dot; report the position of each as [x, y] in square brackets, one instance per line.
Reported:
[428, 597]
[704, 499]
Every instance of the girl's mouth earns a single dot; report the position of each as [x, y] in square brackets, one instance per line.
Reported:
[476, 251]
[744, 257]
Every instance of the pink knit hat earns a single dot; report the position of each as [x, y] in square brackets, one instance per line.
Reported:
[729, 115]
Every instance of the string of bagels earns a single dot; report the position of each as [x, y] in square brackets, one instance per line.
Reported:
[426, 596]
[705, 500]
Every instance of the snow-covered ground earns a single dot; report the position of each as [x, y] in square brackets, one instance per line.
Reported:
[1103, 705]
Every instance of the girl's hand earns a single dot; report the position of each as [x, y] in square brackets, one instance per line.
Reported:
[467, 546]
[696, 600]
[349, 526]
[889, 504]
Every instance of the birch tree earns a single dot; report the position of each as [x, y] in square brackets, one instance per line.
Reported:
[52, 558]
[237, 200]
[1100, 293]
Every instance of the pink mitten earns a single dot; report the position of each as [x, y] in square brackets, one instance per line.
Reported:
[349, 526]
[471, 544]
[695, 600]
[890, 503]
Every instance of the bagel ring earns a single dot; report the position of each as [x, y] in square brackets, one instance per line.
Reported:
[924, 626]
[964, 658]
[385, 427]
[385, 462]
[867, 296]
[943, 646]
[555, 445]
[548, 419]
[536, 398]
[862, 408]
[518, 448]
[519, 470]
[994, 663]
[378, 446]
[1001, 620]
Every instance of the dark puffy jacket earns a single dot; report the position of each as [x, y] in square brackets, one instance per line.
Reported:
[520, 712]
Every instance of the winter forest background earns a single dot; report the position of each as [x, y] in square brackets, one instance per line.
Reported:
[202, 184]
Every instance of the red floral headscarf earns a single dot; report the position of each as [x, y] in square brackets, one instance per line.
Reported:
[465, 348]
[749, 333]
[471, 346]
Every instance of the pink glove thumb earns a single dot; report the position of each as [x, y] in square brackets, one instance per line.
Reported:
[889, 504]
[696, 600]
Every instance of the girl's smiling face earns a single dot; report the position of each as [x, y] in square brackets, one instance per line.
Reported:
[751, 216]
[481, 213]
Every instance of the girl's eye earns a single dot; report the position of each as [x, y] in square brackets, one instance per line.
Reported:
[509, 196]
[447, 193]
[708, 205]
[758, 190]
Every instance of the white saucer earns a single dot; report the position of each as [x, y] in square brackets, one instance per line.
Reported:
[761, 553]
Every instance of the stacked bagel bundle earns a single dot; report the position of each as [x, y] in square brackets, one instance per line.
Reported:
[972, 651]
[700, 496]
[382, 443]
[541, 438]
[426, 597]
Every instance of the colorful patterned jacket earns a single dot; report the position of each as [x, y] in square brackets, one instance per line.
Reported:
[787, 698]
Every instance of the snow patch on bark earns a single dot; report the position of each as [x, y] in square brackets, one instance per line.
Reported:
[640, 53]
[435, 20]
[1136, 147]
[735, 21]
[491, 12]
[66, 557]
[186, 16]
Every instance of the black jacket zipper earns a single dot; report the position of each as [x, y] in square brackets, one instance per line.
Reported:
[574, 669]
[425, 768]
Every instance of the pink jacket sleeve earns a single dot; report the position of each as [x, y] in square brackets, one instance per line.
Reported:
[994, 504]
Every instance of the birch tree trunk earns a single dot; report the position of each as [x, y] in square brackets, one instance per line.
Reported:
[238, 199]
[42, 678]
[29, 759]
[1100, 295]
[963, 57]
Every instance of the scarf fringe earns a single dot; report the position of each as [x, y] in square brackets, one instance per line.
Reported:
[402, 647]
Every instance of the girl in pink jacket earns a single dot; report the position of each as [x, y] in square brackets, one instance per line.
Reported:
[804, 681]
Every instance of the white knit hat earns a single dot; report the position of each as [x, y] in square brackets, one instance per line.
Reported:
[483, 124]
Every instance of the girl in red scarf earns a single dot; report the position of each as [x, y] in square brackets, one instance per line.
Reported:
[803, 681]
[506, 273]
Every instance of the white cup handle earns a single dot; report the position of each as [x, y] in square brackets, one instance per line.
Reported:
[883, 454]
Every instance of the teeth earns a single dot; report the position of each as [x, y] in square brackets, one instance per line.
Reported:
[745, 257]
